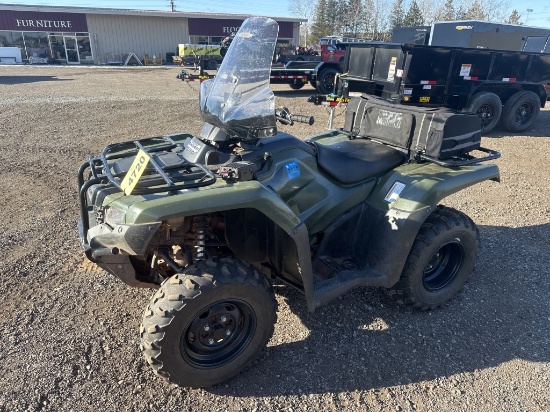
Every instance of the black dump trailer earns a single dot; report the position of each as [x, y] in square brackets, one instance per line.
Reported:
[504, 88]
[487, 35]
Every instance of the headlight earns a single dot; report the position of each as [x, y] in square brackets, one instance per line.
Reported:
[114, 216]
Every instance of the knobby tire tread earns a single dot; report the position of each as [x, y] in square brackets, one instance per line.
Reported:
[177, 291]
[442, 219]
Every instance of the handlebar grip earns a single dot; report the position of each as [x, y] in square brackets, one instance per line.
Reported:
[302, 119]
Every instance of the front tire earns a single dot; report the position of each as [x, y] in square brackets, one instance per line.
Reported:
[440, 261]
[296, 86]
[208, 324]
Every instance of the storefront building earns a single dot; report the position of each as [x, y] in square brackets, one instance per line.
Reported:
[64, 35]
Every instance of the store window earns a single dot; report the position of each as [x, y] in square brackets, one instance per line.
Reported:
[212, 40]
[44, 47]
[84, 49]
[57, 47]
[36, 45]
[216, 40]
[13, 39]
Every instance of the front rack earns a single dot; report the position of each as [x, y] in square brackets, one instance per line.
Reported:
[166, 171]
[159, 176]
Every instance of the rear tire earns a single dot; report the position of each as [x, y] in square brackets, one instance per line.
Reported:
[208, 324]
[488, 107]
[325, 80]
[440, 261]
[297, 86]
[520, 111]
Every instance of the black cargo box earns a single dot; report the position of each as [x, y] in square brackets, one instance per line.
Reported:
[437, 133]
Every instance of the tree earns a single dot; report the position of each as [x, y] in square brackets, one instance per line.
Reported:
[397, 14]
[427, 10]
[446, 12]
[496, 10]
[376, 20]
[304, 9]
[514, 18]
[320, 27]
[476, 12]
[353, 18]
[414, 16]
[333, 18]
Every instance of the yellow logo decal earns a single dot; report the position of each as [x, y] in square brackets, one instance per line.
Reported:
[135, 172]
[424, 99]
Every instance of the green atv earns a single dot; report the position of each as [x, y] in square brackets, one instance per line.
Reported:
[210, 220]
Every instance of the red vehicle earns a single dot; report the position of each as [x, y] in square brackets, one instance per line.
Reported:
[333, 52]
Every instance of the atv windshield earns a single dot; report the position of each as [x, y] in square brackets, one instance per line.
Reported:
[238, 100]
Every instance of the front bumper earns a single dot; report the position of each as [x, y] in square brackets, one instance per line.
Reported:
[111, 249]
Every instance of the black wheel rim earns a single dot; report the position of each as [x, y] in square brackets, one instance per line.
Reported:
[218, 333]
[524, 113]
[443, 266]
[486, 112]
[328, 82]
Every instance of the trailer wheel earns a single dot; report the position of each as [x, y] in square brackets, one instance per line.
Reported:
[520, 111]
[440, 261]
[488, 107]
[297, 86]
[325, 80]
[212, 65]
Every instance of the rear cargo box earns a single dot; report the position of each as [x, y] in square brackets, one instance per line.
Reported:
[437, 133]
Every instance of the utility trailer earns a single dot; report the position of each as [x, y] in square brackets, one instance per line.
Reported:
[477, 35]
[487, 35]
[296, 74]
[320, 74]
[502, 87]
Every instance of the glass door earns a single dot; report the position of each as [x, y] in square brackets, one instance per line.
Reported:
[71, 50]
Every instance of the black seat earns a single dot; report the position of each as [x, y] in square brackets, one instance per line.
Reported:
[353, 161]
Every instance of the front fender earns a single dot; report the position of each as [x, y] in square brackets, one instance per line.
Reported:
[239, 195]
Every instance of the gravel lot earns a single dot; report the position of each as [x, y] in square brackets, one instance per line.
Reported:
[69, 332]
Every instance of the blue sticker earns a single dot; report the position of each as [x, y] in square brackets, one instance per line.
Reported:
[292, 170]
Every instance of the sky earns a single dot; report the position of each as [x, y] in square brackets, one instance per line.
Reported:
[539, 16]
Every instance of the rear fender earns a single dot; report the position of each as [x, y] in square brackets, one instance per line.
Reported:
[397, 218]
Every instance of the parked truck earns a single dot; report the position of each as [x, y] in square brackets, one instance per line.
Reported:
[502, 87]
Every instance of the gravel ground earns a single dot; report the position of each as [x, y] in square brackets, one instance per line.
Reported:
[69, 332]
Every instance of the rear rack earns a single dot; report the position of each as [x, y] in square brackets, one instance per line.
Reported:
[464, 160]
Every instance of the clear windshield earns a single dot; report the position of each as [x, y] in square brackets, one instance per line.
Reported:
[238, 100]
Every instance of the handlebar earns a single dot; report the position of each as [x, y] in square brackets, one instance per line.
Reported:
[302, 119]
[284, 116]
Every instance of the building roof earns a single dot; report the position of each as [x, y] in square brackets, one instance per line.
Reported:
[129, 12]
